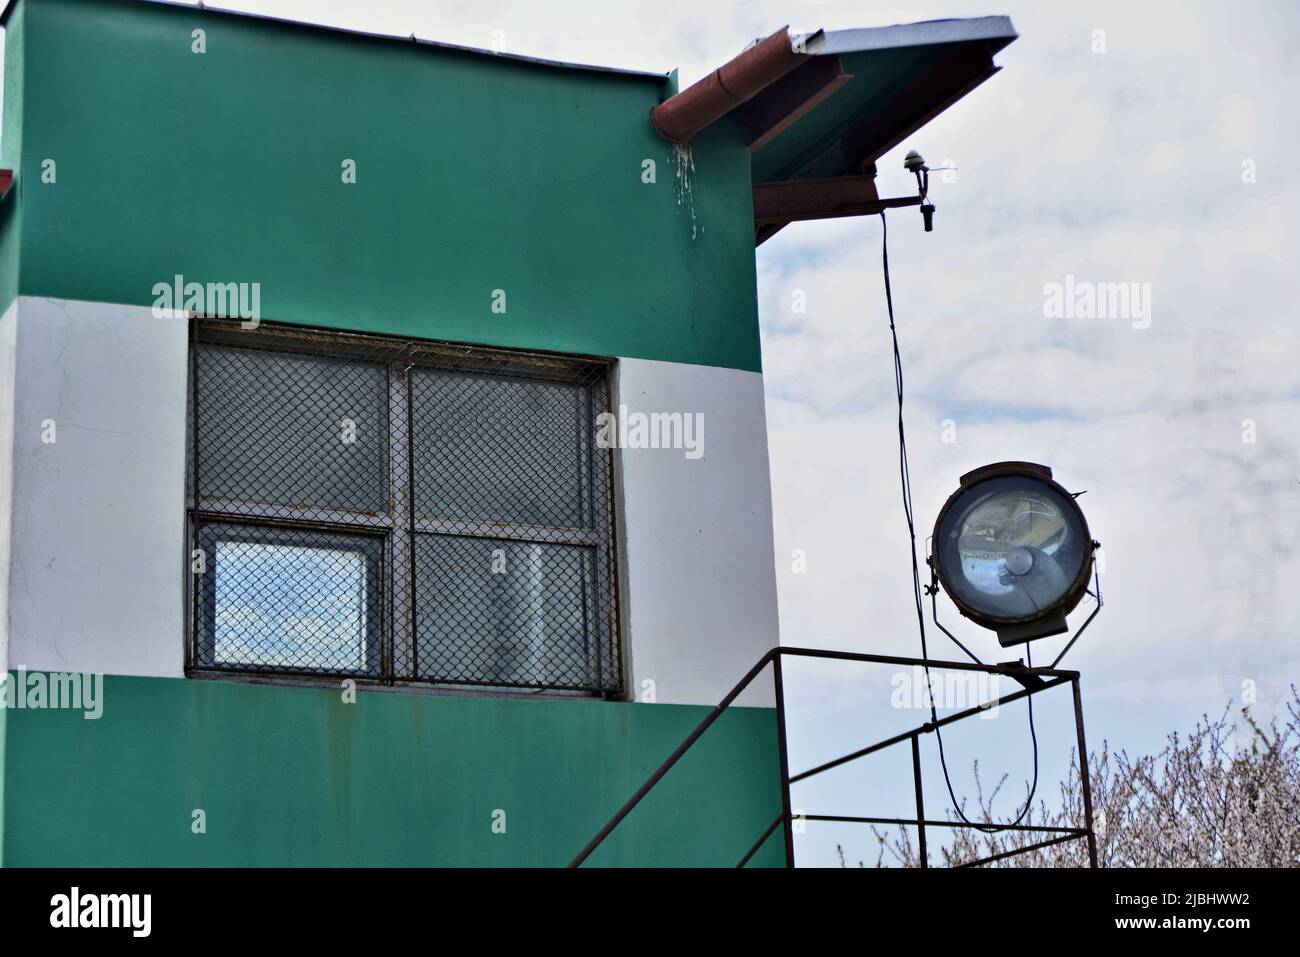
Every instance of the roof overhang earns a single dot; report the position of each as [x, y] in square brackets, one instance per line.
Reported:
[900, 78]
[825, 105]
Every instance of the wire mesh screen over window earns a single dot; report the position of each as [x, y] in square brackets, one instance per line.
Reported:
[399, 511]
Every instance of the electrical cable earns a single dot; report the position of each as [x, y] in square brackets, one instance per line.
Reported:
[905, 479]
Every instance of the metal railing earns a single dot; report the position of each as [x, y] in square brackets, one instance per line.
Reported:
[1035, 680]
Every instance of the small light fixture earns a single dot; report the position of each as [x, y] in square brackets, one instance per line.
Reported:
[1012, 550]
[914, 163]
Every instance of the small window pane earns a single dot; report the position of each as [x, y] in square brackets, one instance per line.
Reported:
[502, 449]
[289, 600]
[509, 613]
[292, 430]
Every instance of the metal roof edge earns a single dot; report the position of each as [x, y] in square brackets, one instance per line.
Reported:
[924, 33]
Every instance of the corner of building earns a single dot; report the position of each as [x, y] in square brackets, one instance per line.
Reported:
[8, 342]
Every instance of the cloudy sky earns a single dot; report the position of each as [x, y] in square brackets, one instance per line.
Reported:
[1148, 143]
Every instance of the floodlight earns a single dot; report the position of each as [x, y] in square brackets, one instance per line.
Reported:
[1012, 550]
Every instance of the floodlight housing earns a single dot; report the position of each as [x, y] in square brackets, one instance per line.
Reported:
[1012, 550]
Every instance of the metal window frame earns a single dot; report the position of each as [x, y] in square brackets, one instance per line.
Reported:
[400, 524]
[369, 547]
[603, 632]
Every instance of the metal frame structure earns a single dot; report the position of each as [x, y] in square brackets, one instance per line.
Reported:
[397, 525]
[1035, 680]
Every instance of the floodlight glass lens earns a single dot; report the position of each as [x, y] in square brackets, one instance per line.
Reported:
[1011, 547]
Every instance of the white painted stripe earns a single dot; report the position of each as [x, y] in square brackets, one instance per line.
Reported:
[97, 542]
[97, 579]
[696, 536]
[8, 343]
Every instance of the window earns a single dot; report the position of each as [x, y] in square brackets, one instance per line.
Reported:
[399, 512]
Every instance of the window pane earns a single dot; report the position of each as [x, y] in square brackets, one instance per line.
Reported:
[352, 569]
[502, 449]
[508, 613]
[283, 599]
[292, 430]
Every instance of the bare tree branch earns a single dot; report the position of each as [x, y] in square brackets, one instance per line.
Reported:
[1202, 801]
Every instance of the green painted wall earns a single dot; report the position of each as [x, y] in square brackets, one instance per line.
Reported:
[474, 173]
[4, 734]
[292, 776]
[11, 135]
[10, 226]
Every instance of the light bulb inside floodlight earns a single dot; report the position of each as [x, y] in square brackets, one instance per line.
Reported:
[1012, 550]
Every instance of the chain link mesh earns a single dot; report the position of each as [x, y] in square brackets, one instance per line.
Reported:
[399, 511]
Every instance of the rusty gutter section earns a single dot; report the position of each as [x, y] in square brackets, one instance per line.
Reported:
[737, 81]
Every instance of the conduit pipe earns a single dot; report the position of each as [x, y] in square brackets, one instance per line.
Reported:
[679, 118]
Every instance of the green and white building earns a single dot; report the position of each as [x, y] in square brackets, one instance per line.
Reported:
[367, 583]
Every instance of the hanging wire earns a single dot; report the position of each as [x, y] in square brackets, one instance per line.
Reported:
[905, 479]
